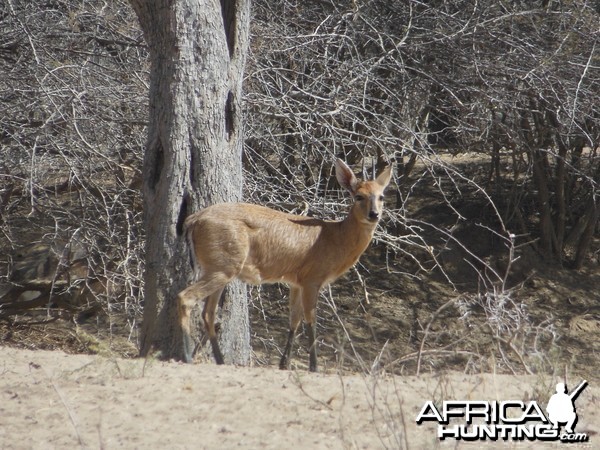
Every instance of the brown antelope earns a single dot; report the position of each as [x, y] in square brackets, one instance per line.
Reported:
[259, 245]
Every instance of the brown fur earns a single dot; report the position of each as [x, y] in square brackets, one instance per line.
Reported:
[260, 245]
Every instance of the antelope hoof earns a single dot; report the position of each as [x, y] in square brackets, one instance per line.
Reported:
[217, 351]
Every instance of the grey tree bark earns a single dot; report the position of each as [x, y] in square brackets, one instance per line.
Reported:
[193, 154]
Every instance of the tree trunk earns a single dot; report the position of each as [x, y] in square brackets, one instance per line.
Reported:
[591, 220]
[547, 232]
[193, 154]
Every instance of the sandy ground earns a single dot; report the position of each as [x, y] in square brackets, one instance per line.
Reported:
[54, 400]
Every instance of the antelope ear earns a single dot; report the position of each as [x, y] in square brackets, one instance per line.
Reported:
[384, 177]
[345, 176]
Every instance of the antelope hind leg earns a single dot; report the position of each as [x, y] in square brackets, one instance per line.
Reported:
[208, 286]
[209, 315]
[184, 308]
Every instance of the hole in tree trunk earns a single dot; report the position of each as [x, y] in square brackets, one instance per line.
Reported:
[229, 115]
[183, 213]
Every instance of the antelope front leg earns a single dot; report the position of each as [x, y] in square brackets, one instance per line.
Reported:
[311, 328]
[309, 303]
[284, 363]
[295, 319]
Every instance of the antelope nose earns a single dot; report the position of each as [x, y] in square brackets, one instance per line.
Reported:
[373, 215]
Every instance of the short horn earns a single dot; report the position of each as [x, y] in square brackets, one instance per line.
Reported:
[374, 168]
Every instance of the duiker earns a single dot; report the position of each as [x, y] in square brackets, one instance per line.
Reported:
[260, 245]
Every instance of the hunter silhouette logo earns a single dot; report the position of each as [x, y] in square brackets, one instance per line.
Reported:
[513, 419]
[561, 406]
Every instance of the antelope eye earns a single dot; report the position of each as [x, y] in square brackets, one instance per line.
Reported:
[359, 198]
[381, 198]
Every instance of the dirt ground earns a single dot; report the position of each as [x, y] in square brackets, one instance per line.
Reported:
[468, 339]
[49, 399]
